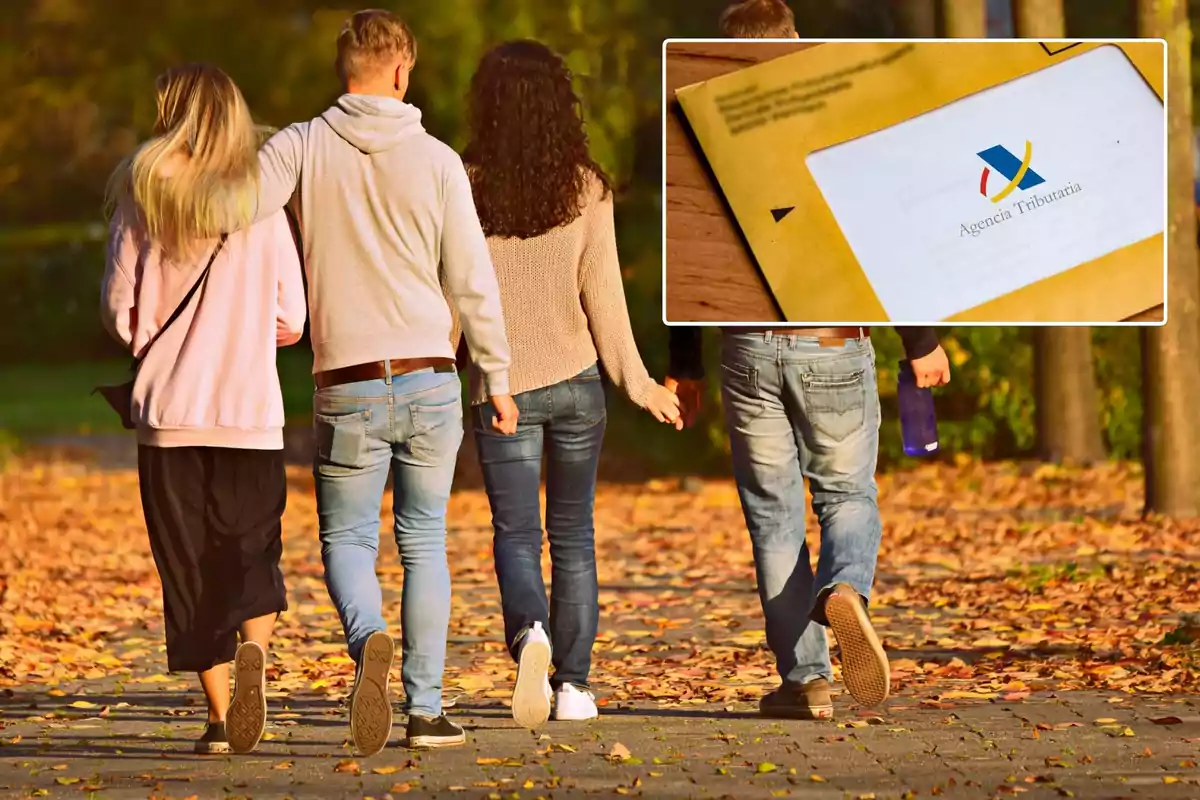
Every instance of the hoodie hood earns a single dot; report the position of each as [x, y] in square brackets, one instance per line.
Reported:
[373, 124]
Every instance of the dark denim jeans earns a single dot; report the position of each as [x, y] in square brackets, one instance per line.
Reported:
[567, 421]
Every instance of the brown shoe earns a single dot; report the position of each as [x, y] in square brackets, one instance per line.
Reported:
[864, 664]
[246, 719]
[370, 703]
[798, 701]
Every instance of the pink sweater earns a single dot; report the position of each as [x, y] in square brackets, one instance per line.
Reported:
[210, 381]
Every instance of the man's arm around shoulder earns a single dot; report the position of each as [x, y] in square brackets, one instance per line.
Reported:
[279, 162]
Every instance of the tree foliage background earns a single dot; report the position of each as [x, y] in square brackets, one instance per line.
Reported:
[78, 95]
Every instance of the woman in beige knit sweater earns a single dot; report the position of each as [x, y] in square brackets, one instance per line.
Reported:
[547, 210]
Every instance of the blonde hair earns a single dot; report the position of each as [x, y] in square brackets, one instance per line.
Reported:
[758, 19]
[368, 39]
[198, 176]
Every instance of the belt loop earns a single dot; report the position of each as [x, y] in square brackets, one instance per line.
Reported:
[767, 337]
[387, 372]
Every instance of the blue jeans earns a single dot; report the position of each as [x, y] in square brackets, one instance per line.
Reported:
[413, 424]
[567, 419]
[795, 410]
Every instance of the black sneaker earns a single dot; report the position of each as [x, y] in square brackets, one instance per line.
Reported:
[370, 706]
[425, 733]
[214, 741]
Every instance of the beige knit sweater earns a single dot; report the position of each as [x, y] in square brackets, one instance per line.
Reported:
[564, 305]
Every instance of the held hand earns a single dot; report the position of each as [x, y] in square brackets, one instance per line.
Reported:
[664, 405]
[691, 399]
[505, 420]
[932, 370]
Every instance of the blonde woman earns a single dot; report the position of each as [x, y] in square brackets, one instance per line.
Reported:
[204, 312]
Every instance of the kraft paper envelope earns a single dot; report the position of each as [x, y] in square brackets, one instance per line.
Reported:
[947, 182]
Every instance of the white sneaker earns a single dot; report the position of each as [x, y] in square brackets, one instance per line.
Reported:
[573, 703]
[531, 696]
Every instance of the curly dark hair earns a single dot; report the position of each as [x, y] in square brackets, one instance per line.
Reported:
[528, 152]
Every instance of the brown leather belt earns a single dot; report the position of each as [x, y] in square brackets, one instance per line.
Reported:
[377, 370]
[826, 337]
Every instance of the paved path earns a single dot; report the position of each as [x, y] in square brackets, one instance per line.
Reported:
[1014, 678]
[135, 743]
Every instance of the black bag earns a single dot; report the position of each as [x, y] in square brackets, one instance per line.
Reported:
[120, 397]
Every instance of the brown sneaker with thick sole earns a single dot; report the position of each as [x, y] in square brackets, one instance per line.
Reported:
[798, 701]
[247, 717]
[370, 705]
[865, 669]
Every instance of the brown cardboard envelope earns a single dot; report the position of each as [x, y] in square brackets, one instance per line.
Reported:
[759, 126]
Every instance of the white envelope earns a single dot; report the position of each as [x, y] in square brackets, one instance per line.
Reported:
[927, 208]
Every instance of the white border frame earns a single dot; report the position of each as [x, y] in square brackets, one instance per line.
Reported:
[890, 323]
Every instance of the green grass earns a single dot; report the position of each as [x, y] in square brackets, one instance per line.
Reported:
[55, 400]
[51, 400]
[42, 400]
[295, 379]
[1036, 577]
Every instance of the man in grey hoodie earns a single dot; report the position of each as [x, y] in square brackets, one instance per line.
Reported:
[383, 204]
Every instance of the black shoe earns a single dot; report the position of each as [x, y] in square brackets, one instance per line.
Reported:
[370, 706]
[214, 741]
[425, 733]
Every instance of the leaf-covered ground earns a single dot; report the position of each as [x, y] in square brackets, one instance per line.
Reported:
[1000, 588]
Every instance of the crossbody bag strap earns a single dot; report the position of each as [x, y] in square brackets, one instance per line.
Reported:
[182, 303]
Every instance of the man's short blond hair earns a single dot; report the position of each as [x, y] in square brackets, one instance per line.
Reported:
[370, 39]
[758, 19]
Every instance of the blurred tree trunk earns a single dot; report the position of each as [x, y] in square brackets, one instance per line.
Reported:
[917, 19]
[1040, 19]
[1171, 353]
[965, 19]
[1064, 377]
[1068, 409]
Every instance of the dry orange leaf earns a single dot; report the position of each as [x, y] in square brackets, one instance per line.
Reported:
[385, 770]
[619, 752]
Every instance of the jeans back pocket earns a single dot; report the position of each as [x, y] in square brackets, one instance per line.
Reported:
[587, 395]
[342, 439]
[437, 426]
[836, 404]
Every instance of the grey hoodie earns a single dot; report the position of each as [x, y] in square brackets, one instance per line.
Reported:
[383, 204]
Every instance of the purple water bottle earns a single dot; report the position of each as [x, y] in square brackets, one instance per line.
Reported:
[918, 422]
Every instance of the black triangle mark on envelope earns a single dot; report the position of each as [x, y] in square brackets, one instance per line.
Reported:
[1059, 47]
[780, 213]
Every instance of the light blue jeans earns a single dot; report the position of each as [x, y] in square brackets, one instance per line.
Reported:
[794, 410]
[413, 424]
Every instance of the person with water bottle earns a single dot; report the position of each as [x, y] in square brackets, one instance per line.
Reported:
[804, 402]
